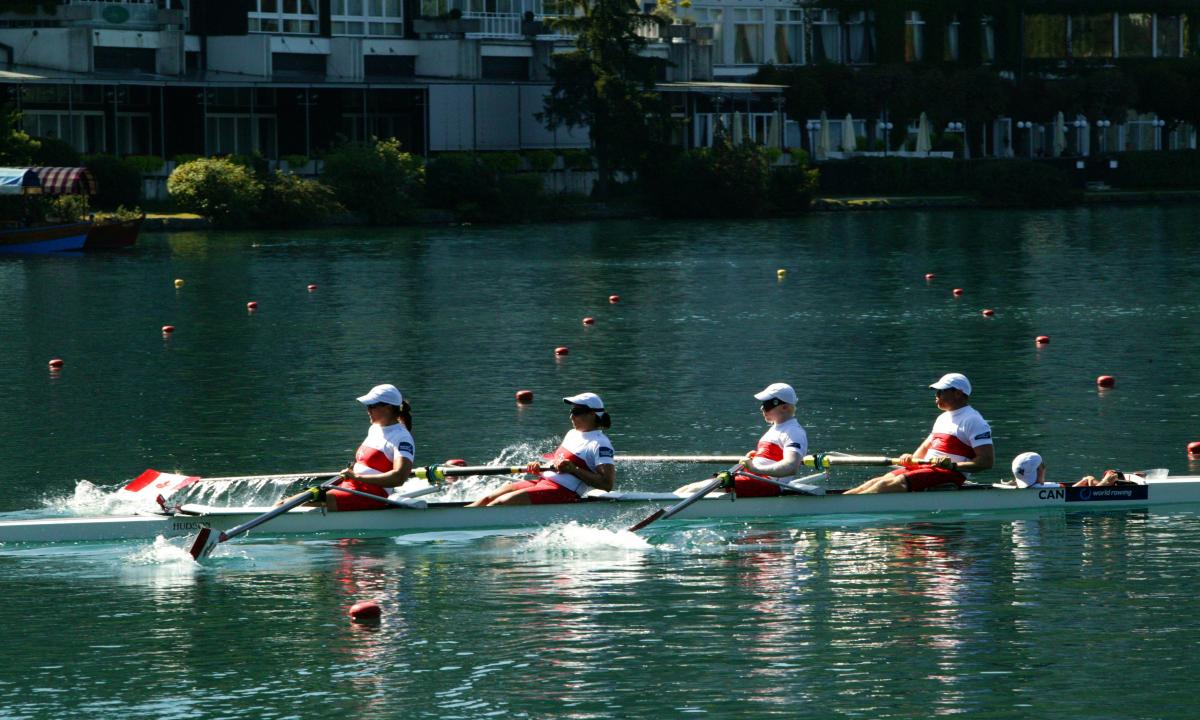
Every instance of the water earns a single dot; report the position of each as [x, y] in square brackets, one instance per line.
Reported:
[1016, 616]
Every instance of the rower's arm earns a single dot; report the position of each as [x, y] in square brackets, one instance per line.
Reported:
[985, 457]
[604, 478]
[786, 467]
[919, 453]
[401, 469]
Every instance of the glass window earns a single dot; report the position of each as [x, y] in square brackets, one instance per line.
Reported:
[289, 16]
[860, 38]
[914, 37]
[714, 18]
[747, 36]
[1167, 36]
[950, 51]
[1092, 36]
[1136, 33]
[827, 37]
[1046, 36]
[789, 37]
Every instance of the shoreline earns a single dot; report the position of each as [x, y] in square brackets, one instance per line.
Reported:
[182, 222]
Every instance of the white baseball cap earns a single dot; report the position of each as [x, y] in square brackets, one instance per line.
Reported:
[953, 380]
[587, 399]
[1025, 468]
[779, 391]
[383, 394]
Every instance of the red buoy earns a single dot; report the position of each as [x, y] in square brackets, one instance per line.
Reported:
[456, 462]
[589, 321]
[56, 363]
[365, 610]
[252, 305]
[312, 287]
[1194, 448]
[614, 299]
[957, 292]
[561, 350]
[988, 312]
[1106, 381]
[930, 276]
[524, 396]
[1042, 339]
[168, 329]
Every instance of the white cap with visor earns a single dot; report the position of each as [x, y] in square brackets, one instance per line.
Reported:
[958, 381]
[777, 391]
[588, 400]
[383, 394]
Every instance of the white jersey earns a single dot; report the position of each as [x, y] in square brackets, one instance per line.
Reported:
[588, 450]
[378, 451]
[787, 435]
[956, 434]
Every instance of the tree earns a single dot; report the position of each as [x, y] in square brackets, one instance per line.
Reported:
[606, 84]
[16, 147]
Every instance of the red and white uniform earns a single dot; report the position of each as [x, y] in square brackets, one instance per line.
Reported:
[956, 434]
[587, 450]
[376, 455]
[775, 442]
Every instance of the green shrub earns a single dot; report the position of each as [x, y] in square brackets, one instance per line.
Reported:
[501, 162]
[217, 188]
[376, 179]
[799, 157]
[119, 181]
[67, 208]
[892, 176]
[791, 188]
[722, 181]
[521, 198]
[773, 154]
[53, 152]
[255, 163]
[1024, 183]
[121, 214]
[577, 160]
[184, 158]
[541, 160]
[460, 182]
[1154, 170]
[145, 163]
[295, 162]
[289, 200]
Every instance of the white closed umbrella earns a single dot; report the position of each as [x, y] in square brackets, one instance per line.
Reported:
[775, 131]
[737, 129]
[823, 141]
[1060, 134]
[924, 141]
[849, 141]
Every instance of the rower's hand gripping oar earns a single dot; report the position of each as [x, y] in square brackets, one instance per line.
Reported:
[824, 461]
[436, 473]
[722, 479]
[206, 540]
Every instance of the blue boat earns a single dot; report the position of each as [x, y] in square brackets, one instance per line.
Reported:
[43, 238]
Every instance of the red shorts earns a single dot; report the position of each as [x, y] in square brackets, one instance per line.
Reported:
[350, 501]
[545, 492]
[923, 477]
[748, 486]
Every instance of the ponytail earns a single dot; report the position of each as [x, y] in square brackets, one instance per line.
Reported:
[604, 420]
[405, 414]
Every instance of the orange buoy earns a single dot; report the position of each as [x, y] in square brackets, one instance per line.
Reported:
[562, 350]
[1106, 381]
[252, 305]
[168, 329]
[957, 292]
[365, 610]
[312, 287]
[589, 321]
[524, 397]
[614, 299]
[1194, 448]
[930, 276]
[55, 363]
[988, 312]
[1042, 339]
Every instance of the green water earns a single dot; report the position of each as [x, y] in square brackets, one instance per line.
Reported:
[1015, 616]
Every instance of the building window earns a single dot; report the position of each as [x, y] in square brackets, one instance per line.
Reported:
[714, 18]
[987, 48]
[133, 133]
[950, 51]
[747, 36]
[1168, 36]
[827, 37]
[789, 37]
[294, 17]
[1092, 36]
[860, 38]
[367, 17]
[1135, 33]
[240, 134]
[1046, 36]
[914, 37]
[83, 130]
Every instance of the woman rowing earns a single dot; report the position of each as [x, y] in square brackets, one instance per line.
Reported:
[384, 459]
[780, 451]
[584, 460]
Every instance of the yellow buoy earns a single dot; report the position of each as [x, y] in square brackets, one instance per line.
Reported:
[780, 272]
[178, 282]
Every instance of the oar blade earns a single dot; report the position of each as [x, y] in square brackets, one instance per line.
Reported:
[646, 521]
[204, 543]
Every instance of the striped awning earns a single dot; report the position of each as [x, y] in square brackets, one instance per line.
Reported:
[19, 181]
[67, 180]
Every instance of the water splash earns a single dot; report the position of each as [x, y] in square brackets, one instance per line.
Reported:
[162, 552]
[476, 486]
[91, 499]
[571, 537]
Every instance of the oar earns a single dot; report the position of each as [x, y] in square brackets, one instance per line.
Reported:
[792, 488]
[440, 472]
[825, 460]
[722, 479]
[698, 459]
[206, 541]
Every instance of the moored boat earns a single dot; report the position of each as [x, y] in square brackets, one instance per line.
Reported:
[43, 239]
[113, 234]
[617, 508]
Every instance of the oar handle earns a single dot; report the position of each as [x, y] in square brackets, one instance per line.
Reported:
[434, 473]
[824, 461]
[698, 459]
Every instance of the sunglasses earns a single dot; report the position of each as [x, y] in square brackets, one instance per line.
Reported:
[772, 403]
[581, 410]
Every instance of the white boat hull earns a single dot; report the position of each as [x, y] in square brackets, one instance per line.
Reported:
[620, 510]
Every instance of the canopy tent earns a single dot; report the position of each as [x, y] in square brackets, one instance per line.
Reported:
[66, 180]
[19, 181]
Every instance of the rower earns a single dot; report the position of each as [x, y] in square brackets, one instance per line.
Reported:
[780, 451]
[584, 460]
[1029, 471]
[384, 459]
[961, 443]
